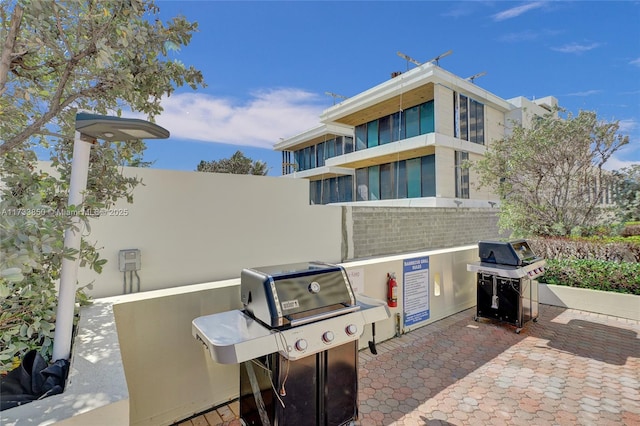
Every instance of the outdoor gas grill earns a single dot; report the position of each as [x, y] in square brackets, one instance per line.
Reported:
[297, 341]
[506, 281]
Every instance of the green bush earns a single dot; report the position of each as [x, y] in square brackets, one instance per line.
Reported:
[594, 274]
[613, 249]
[631, 230]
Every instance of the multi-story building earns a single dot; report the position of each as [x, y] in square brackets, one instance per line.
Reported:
[406, 141]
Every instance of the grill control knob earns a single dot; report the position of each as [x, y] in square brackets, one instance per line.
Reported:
[351, 329]
[301, 345]
[328, 336]
[314, 288]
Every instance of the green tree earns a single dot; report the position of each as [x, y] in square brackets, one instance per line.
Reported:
[57, 57]
[627, 193]
[550, 176]
[237, 164]
[93, 55]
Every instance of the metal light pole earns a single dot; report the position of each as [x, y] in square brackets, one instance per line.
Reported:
[89, 127]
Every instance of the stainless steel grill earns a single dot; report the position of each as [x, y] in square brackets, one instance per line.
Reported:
[292, 295]
[297, 338]
[507, 289]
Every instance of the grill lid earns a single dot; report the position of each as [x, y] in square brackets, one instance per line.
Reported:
[292, 294]
[514, 253]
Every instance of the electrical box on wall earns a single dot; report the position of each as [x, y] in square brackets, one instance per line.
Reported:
[129, 260]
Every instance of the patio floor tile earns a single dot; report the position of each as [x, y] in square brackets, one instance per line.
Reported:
[570, 367]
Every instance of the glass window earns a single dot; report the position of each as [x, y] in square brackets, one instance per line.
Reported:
[339, 145]
[472, 121]
[386, 182]
[413, 178]
[456, 116]
[333, 190]
[313, 192]
[320, 154]
[348, 144]
[463, 118]
[362, 184]
[397, 126]
[305, 160]
[330, 146]
[312, 156]
[384, 129]
[461, 174]
[412, 120]
[361, 137]
[374, 183]
[479, 123]
[298, 157]
[326, 191]
[428, 168]
[372, 134]
[426, 118]
[345, 188]
[401, 179]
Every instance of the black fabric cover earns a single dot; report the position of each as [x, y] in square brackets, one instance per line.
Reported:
[33, 379]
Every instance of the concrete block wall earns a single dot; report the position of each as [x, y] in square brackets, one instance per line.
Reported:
[379, 231]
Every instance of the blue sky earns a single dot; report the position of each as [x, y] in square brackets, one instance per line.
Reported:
[268, 64]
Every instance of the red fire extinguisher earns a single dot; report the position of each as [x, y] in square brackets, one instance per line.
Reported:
[392, 290]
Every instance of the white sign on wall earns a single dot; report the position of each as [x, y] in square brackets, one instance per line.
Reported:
[356, 278]
[416, 290]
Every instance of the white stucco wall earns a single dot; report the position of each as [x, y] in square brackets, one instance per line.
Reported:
[135, 361]
[193, 227]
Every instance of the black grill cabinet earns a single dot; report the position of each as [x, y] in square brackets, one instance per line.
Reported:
[507, 289]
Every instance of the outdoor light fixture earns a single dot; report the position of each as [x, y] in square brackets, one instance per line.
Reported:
[89, 127]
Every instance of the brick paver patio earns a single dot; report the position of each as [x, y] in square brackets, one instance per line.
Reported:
[569, 368]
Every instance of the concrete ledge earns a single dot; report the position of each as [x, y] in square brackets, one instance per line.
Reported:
[96, 377]
[602, 302]
[97, 392]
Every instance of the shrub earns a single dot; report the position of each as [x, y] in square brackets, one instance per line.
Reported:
[613, 249]
[594, 274]
[631, 230]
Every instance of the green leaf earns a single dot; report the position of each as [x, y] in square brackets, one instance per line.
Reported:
[4, 291]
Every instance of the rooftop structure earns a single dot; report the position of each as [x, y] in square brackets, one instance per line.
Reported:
[407, 138]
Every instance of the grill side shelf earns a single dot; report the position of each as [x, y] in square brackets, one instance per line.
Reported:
[233, 337]
[508, 271]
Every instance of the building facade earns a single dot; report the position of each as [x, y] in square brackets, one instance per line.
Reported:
[406, 141]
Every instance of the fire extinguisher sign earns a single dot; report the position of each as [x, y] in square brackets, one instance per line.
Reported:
[416, 290]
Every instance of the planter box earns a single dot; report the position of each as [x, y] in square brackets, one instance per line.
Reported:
[602, 302]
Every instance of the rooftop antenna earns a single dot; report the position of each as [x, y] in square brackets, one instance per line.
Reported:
[473, 77]
[408, 59]
[334, 96]
[436, 60]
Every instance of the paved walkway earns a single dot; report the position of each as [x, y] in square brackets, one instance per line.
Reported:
[569, 368]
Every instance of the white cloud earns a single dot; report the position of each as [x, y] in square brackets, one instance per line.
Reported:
[525, 35]
[635, 62]
[576, 48]
[615, 163]
[458, 11]
[585, 93]
[528, 35]
[627, 126]
[259, 121]
[517, 11]
[630, 153]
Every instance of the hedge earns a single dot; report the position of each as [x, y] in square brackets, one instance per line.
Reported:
[594, 274]
[614, 249]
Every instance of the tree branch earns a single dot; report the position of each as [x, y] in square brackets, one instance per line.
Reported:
[9, 45]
